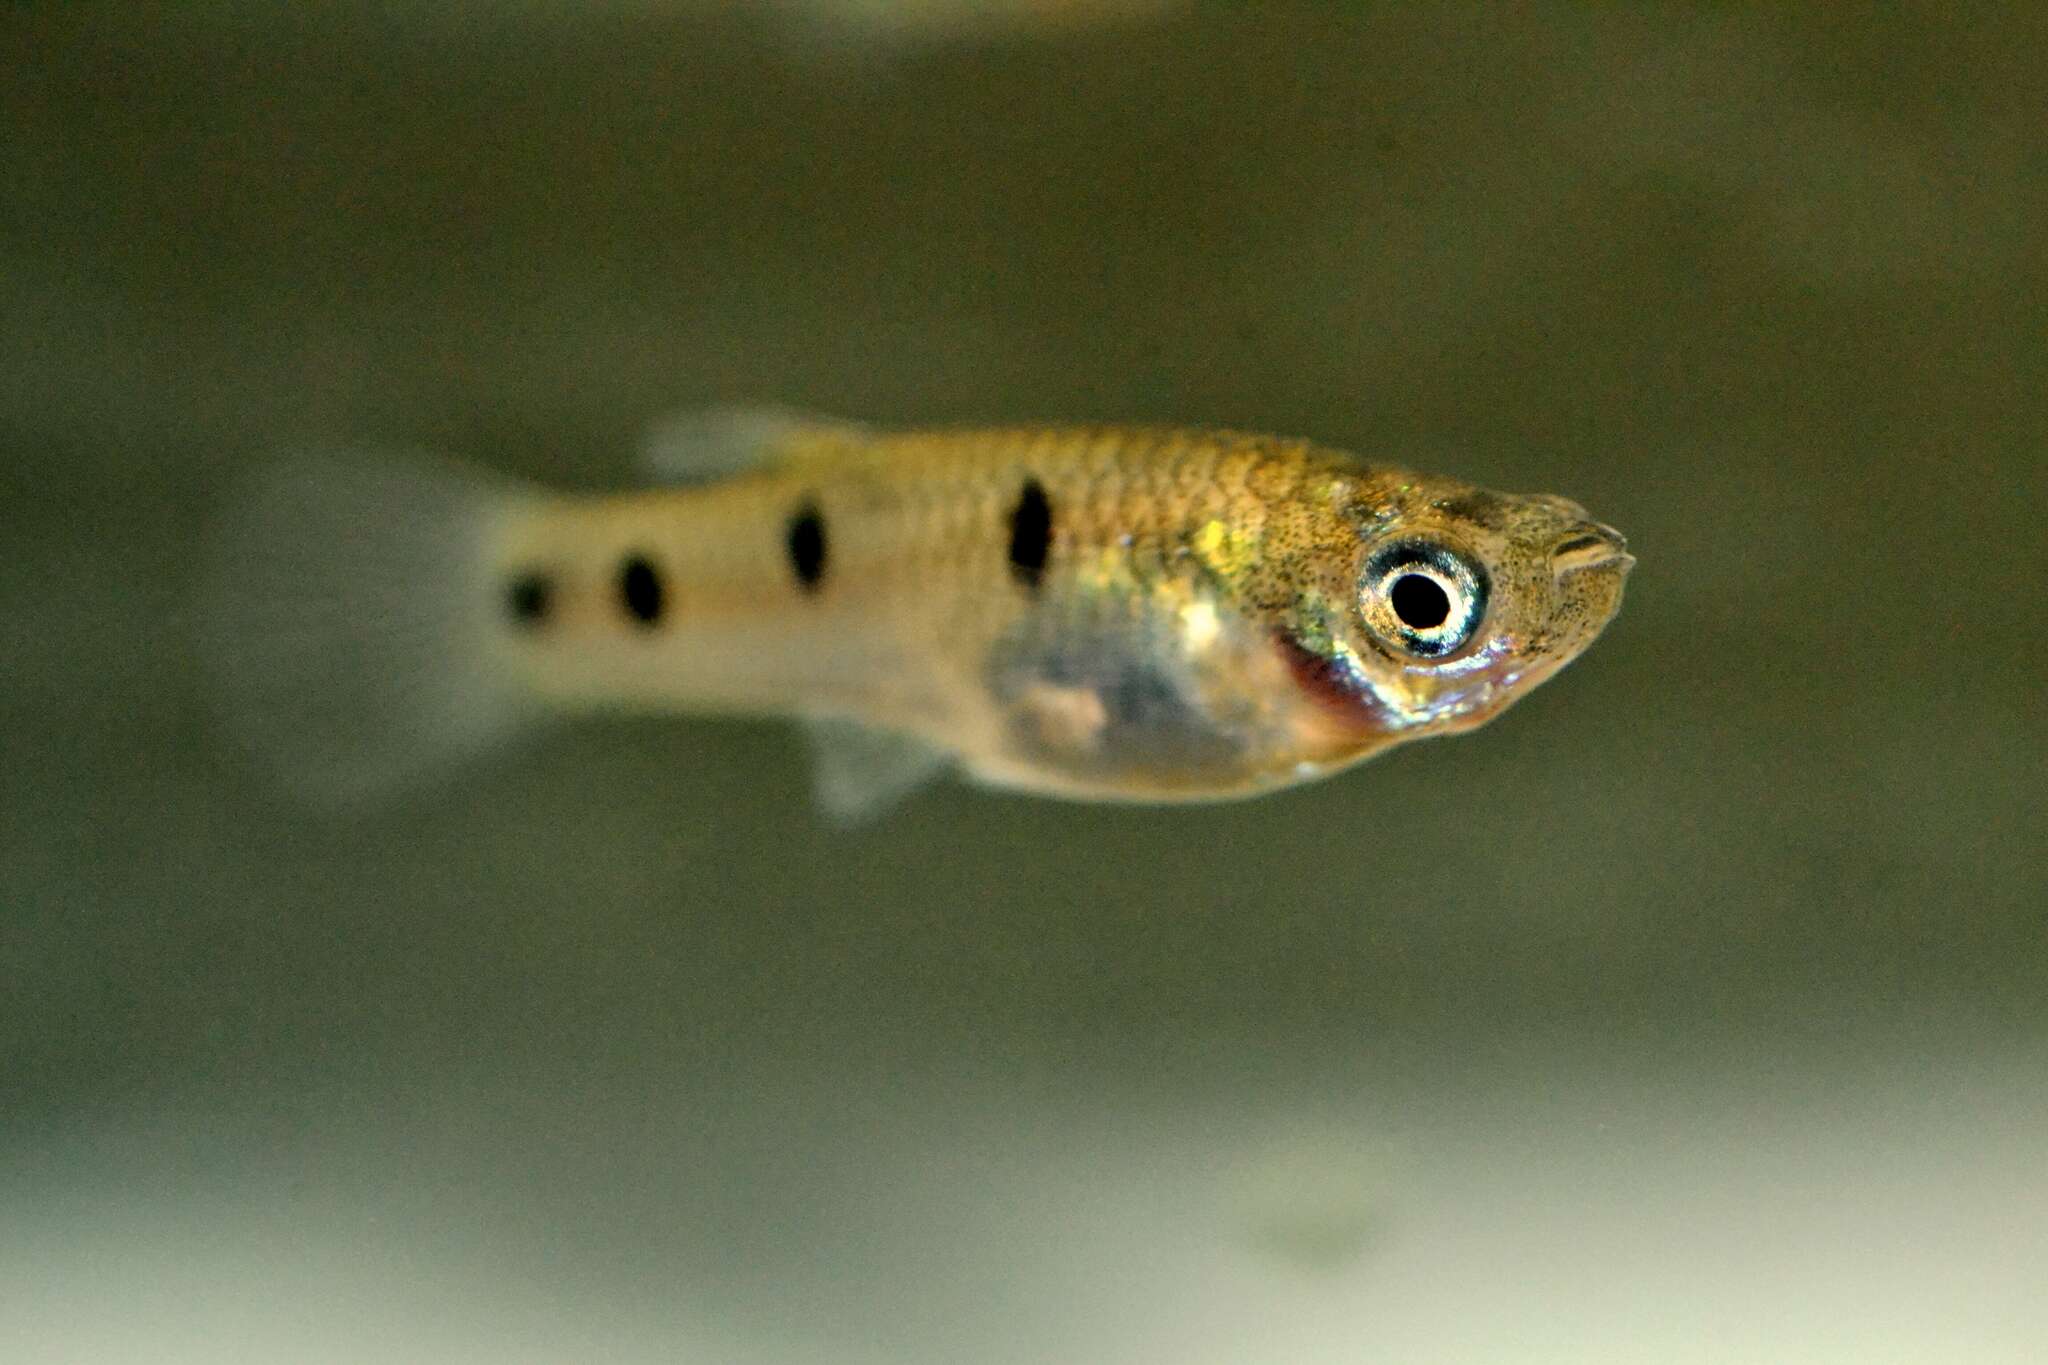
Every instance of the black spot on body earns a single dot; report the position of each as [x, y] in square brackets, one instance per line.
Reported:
[1030, 534]
[640, 589]
[806, 543]
[528, 598]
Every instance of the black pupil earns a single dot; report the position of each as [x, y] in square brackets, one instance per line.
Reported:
[1420, 601]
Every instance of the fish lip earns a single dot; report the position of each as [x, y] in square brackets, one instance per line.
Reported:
[1596, 546]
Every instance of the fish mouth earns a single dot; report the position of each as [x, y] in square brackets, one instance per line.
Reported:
[1591, 546]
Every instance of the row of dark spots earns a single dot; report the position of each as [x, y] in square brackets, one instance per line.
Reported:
[530, 596]
[643, 597]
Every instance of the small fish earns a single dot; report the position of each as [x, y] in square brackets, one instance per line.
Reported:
[1096, 613]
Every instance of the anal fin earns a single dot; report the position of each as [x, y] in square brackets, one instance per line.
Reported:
[858, 771]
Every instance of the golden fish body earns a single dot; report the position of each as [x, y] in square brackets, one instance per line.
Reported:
[1100, 613]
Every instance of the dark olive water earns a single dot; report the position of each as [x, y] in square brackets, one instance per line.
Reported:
[1694, 1010]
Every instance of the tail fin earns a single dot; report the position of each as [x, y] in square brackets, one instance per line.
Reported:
[349, 615]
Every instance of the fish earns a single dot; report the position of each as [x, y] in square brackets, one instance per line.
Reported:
[1107, 613]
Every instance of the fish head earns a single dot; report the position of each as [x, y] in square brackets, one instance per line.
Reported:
[1458, 601]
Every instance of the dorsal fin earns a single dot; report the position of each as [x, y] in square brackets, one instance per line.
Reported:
[858, 771]
[707, 444]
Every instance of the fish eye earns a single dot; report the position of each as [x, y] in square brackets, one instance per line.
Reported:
[1423, 598]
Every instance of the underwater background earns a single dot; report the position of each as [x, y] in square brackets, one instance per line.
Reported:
[1697, 1009]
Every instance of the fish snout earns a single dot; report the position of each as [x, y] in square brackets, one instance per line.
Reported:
[1562, 506]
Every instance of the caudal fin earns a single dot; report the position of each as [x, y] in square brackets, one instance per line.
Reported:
[349, 615]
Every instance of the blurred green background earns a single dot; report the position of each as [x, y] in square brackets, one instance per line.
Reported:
[1694, 1010]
